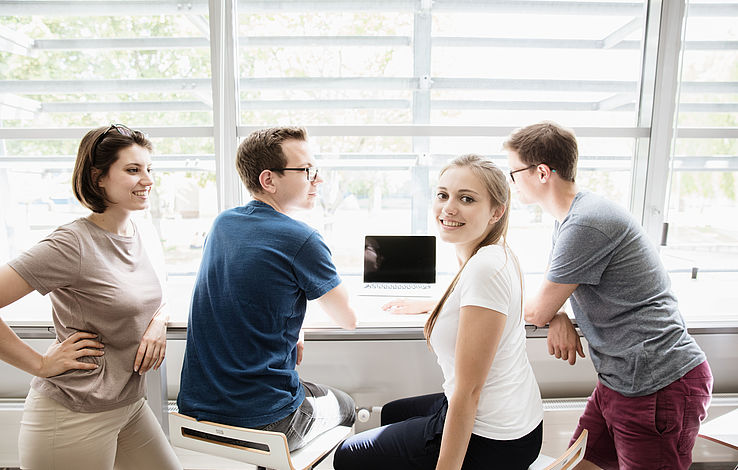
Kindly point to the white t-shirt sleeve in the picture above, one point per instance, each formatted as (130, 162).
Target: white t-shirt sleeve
(485, 283)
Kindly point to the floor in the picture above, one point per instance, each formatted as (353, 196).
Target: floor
(196, 461)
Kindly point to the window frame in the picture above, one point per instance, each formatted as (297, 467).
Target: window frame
(654, 133)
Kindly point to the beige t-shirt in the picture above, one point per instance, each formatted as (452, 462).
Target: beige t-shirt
(102, 283)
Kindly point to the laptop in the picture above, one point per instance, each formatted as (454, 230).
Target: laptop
(399, 265)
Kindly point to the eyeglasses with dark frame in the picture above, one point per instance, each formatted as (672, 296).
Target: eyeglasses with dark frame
(122, 130)
(311, 171)
(512, 172)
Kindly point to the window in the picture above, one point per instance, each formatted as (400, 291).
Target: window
(702, 243)
(390, 92)
(382, 85)
(80, 66)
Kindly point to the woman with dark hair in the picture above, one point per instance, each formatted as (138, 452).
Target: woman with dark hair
(86, 406)
(490, 413)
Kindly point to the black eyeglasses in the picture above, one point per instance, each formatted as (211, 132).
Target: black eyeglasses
(311, 171)
(512, 172)
(528, 168)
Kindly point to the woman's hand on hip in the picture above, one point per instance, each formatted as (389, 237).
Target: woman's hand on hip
(64, 356)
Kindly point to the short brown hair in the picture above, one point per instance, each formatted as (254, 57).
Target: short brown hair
(98, 150)
(262, 150)
(549, 143)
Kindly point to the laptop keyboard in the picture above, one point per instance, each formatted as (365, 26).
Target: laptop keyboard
(395, 286)
(395, 289)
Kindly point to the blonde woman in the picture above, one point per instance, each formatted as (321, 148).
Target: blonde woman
(490, 413)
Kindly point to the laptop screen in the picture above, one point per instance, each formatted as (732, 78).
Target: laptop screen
(400, 258)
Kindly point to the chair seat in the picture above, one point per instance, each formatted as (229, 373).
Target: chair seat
(572, 456)
(262, 448)
(542, 462)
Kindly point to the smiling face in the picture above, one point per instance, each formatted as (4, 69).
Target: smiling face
(294, 191)
(128, 181)
(463, 209)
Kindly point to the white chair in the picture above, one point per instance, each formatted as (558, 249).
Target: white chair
(264, 449)
(573, 455)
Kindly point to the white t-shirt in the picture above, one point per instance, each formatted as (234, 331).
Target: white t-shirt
(510, 403)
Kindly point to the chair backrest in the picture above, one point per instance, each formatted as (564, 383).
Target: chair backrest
(573, 455)
(253, 446)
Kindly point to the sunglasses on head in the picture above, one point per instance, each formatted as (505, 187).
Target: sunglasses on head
(120, 128)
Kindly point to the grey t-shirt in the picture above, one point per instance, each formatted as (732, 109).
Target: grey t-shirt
(102, 283)
(624, 306)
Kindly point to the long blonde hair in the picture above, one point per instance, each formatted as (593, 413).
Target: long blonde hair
(499, 191)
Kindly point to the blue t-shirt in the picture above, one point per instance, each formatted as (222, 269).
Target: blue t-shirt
(259, 267)
(624, 305)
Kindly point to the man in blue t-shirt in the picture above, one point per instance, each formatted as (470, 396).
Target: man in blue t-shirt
(258, 270)
(654, 380)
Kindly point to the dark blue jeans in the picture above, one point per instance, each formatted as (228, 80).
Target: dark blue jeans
(410, 438)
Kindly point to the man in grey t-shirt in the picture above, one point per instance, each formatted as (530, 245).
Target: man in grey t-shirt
(654, 381)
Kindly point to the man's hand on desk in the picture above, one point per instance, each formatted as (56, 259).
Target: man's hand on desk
(409, 307)
(563, 339)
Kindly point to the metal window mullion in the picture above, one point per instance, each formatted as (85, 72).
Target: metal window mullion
(647, 85)
(421, 114)
(223, 42)
(707, 133)
(651, 172)
(6, 204)
(168, 43)
(396, 130)
(169, 7)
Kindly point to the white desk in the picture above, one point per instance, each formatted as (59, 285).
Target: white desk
(368, 310)
(723, 429)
